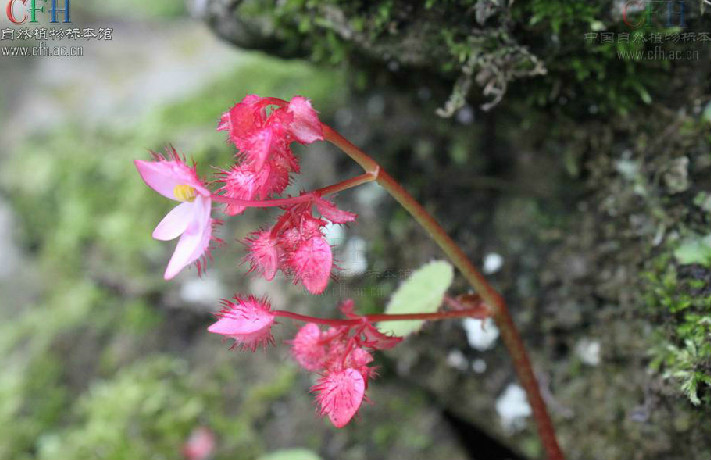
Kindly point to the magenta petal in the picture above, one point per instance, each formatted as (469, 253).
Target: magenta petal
(306, 127)
(175, 222)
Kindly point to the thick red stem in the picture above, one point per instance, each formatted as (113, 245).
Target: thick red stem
(491, 297)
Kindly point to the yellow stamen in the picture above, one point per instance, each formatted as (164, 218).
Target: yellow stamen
(184, 193)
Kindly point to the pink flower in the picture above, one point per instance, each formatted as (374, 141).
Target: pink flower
(191, 219)
(243, 119)
(306, 127)
(200, 445)
(340, 395)
(249, 115)
(308, 349)
(248, 321)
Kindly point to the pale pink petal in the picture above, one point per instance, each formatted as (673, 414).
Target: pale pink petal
(340, 395)
(175, 222)
(194, 241)
(163, 176)
(188, 245)
(306, 127)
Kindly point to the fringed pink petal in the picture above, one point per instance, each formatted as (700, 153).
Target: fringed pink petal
(306, 127)
(311, 263)
(307, 349)
(339, 395)
(247, 321)
(263, 253)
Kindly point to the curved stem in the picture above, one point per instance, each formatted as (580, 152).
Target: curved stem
(346, 184)
(375, 318)
(491, 297)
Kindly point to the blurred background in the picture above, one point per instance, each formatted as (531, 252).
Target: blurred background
(575, 173)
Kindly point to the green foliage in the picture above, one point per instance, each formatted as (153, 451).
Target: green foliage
(422, 292)
(145, 411)
(558, 14)
(291, 454)
(695, 250)
(138, 9)
(587, 75)
(85, 373)
(682, 349)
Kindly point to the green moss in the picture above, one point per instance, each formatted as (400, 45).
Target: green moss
(682, 350)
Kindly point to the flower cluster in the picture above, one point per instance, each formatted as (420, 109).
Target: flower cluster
(296, 244)
(339, 354)
(262, 130)
(263, 139)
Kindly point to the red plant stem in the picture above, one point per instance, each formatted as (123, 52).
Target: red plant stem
(491, 297)
(303, 198)
(473, 313)
(346, 184)
(261, 203)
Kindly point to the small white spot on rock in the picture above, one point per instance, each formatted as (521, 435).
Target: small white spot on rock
(513, 408)
(481, 334)
(205, 289)
(493, 263)
(457, 360)
(354, 262)
(588, 351)
(10, 252)
(479, 366)
(334, 234)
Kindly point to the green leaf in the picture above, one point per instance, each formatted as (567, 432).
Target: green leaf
(694, 251)
(422, 292)
(290, 454)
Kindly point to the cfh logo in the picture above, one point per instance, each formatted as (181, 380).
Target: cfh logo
(18, 11)
(649, 13)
